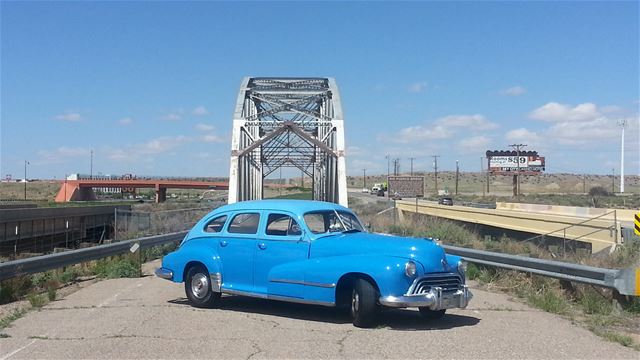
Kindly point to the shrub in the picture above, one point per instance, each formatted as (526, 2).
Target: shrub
(599, 191)
(51, 293)
(14, 289)
(37, 300)
(119, 268)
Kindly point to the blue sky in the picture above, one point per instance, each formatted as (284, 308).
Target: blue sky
(150, 86)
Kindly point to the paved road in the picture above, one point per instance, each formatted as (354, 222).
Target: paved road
(149, 318)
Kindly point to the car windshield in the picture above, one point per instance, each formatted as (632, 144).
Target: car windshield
(329, 221)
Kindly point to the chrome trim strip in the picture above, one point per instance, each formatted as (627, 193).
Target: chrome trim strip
(164, 273)
(216, 281)
(278, 298)
(301, 282)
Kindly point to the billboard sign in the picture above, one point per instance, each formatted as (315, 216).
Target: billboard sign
(406, 186)
(508, 162)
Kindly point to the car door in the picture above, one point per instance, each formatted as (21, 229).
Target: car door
(237, 248)
(280, 248)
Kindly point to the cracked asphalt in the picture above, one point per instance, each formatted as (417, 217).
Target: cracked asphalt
(149, 318)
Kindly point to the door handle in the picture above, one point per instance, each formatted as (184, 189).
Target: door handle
(262, 246)
(223, 243)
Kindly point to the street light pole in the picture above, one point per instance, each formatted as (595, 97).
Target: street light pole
(25, 179)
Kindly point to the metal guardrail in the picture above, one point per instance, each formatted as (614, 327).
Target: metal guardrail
(625, 281)
(38, 264)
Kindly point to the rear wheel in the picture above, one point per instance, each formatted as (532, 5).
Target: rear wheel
(431, 314)
(363, 304)
(197, 286)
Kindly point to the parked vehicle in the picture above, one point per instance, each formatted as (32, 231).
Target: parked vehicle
(314, 253)
(445, 201)
(380, 192)
(375, 189)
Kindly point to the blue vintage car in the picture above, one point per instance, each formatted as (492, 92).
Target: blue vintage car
(314, 253)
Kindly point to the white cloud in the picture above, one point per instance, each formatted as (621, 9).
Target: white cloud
(475, 143)
(200, 111)
(443, 128)
(69, 116)
(522, 135)
(204, 127)
(61, 154)
(159, 145)
(125, 121)
(555, 112)
(172, 117)
(211, 138)
(475, 122)
(513, 91)
(417, 87)
(422, 133)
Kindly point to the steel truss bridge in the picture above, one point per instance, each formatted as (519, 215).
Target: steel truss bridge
(288, 123)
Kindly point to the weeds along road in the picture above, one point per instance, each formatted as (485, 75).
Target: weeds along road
(149, 318)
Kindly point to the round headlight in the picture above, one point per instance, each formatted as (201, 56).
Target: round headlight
(462, 266)
(410, 269)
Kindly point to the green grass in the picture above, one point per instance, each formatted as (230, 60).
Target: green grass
(37, 300)
(296, 196)
(124, 267)
(621, 339)
(7, 320)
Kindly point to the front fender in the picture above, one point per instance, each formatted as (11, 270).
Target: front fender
(321, 275)
(194, 250)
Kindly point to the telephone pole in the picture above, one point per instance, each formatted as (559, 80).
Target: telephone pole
(516, 183)
(481, 175)
(435, 167)
(457, 175)
(364, 178)
(411, 159)
(91, 168)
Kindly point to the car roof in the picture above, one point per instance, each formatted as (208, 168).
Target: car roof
(295, 206)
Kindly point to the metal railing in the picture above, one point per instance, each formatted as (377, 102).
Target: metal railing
(625, 281)
(11, 269)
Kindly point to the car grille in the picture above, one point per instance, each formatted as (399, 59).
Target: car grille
(449, 282)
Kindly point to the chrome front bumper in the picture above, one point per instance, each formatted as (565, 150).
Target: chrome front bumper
(435, 299)
(164, 273)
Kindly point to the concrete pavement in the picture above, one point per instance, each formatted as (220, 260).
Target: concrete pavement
(149, 318)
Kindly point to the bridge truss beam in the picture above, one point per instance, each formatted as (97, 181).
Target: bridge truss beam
(290, 123)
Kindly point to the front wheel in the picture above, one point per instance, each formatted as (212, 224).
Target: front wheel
(197, 285)
(363, 304)
(431, 314)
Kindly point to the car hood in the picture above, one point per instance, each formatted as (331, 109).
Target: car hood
(425, 251)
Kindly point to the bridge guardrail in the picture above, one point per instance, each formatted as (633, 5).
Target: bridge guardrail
(625, 281)
(43, 263)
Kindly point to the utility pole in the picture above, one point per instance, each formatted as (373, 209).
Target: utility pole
(457, 174)
(25, 179)
(622, 124)
(411, 159)
(91, 168)
(584, 183)
(613, 181)
(364, 178)
(516, 183)
(435, 167)
(481, 173)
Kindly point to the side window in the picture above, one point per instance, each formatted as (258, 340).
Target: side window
(282, 225)
(215, 225)
(246, 223)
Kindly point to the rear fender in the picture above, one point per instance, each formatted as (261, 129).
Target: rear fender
(197, 250)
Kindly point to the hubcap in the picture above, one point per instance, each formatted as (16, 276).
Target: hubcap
(199, 285)
(355, 303)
